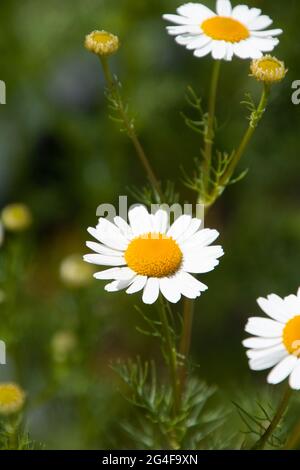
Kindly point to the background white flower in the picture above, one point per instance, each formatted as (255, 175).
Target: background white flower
(239, 31)
(148, 255)
(277, 340)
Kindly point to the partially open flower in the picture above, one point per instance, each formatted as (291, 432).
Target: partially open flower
(102, 43)
(16, 217)
(268, 69)
(12, 398)
(74, 272)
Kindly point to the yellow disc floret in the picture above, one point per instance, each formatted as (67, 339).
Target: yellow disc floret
(268, 69)
(153, 255)
(291, 336)
(12, 398)
(223, 28)
(102, 43)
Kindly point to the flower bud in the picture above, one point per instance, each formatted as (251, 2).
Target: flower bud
(12, 398)
(268, 69)
(102, 43)
(16, 217)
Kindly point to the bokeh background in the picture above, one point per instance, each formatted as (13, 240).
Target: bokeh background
(62, 156)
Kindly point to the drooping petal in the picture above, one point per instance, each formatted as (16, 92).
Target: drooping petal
(169, 289)
(137, 285)
(151, 291)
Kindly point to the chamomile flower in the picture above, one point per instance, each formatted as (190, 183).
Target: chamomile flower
(239, 31)
(276, 340)
(12, 398)
(147, 255)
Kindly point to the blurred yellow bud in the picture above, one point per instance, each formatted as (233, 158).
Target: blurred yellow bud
(63, 344)
(268, 69)
(16, 217)
(12, 398)
(74, 272)
(102, 43)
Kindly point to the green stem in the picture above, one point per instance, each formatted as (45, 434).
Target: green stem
(113, 88)
(261, 443)
(254, 120)
(209, 135)
(185, 343)
(172, 357)
(293, 441)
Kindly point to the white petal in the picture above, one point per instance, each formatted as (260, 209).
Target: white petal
(244, 14)
(261, 343)
(191, 230)
(108, 234)
(195, 11)
(115, 286)
(105, 260)
(202, 238)
(264, 327)
(169, 289)
(282, 370)
(259, 353)
(195, 42)
(266, 362)
(245, 50)
(198, 265)
(267, 33)
(179, 226)
(219, 50)
(120, 274)
(292, 306)
(189, 286)
(295, 377)
(140, 220)
(124, 227)
(103, 250)
(177, 19)
(274, 307)
(229, 52)
(224, 8)
(203, 51)
(161, 221)
(151, 290)
(261, 22)
(263, 44)
(137, 285)
(186, 29)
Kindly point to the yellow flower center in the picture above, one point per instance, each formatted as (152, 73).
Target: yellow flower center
(223, 28)
(153, 255)
(291, 336)
(269, 65)
(12, 398)
(101, 37)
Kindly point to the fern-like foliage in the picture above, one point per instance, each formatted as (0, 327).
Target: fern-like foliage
(153, 424)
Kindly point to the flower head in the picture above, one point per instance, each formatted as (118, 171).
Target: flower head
(276, 341)
(102, 43)
(63, 344)
(238, 31)
(149, 255)
(268, 69)
(74, 272)
(12, 398)
(16, 217)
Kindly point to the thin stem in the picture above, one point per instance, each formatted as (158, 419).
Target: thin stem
(261, 443)
(113, 88)
(185, 343)
(293, 441)
(209, 135)
(172, 357)
(254, 120)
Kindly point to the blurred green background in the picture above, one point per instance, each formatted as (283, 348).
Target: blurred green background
(62, 156)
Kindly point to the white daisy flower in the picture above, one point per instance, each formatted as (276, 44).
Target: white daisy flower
(148, 255)
(277, 340)
(239, 31)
